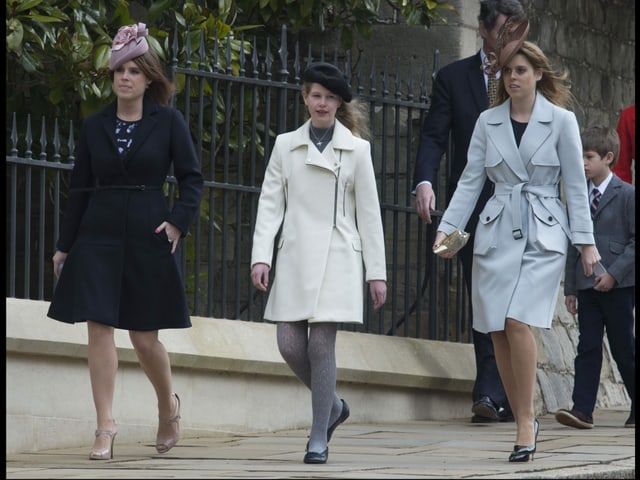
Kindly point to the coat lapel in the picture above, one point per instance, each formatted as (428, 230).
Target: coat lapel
(108, 122)
(341, 140)
(609, 194)
(538, 129)
(476, 84)
(500, 133)
(142, 131)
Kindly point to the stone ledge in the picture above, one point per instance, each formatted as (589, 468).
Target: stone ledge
(244, 347)
(218, 366)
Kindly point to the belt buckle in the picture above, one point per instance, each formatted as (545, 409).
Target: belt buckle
(517, 233)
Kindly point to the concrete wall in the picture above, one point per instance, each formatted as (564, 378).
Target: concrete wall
(230, 377)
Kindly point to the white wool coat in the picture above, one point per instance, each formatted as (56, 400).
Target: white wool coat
(332, 236)
(525, 228)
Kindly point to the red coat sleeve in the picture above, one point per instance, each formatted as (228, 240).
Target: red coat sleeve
(627, 133)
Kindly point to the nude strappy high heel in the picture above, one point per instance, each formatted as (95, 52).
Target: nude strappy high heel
(105, 453)
(163, 445)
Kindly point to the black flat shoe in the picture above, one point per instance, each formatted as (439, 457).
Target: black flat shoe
(344, 414)
(317, 457)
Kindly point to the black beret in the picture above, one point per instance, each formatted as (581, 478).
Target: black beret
(330, 77)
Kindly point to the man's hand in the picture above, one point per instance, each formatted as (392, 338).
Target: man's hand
(425, 201)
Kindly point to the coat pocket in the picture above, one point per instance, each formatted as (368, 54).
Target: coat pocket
(486, 236)
(549, 234)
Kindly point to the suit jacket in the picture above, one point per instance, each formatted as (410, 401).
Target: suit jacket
(614, 226)
(459, 96)
(512, 274)
(327, 204)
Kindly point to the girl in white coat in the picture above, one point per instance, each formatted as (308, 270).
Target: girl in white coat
(525, 145)
(320, 187)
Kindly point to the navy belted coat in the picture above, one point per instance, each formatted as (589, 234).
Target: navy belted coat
(118, 271)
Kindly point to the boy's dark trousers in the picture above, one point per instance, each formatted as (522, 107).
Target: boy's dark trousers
(612, 310)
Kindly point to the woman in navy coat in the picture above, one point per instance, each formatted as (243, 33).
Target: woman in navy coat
(526, 145)
(118, 234)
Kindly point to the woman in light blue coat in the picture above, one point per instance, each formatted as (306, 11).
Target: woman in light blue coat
(526, 145)
(320, 187)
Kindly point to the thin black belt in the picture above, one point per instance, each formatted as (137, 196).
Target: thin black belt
(116, 187)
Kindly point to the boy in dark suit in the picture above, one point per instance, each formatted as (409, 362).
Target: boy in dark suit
(607, 299)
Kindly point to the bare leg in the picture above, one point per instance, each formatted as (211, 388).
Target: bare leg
(523, 362)
(502, 353)
(103, 364)
(154, 359)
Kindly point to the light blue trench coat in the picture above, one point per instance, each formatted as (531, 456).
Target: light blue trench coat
(525, 228)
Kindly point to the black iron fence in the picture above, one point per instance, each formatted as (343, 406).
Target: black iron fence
(235, 103)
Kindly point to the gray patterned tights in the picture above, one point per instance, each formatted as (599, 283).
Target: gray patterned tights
(311, 355)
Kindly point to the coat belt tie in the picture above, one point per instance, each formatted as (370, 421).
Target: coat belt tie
(515, 191)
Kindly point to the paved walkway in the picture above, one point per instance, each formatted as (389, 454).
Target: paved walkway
(425, 449)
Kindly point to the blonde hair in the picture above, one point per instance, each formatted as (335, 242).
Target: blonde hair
(554, 85)
(354, 115)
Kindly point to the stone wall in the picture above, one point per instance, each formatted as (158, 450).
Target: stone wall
(594, 40)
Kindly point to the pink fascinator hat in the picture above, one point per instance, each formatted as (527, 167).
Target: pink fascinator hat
(128, 43)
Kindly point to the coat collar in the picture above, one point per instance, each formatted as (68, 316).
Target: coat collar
(500, 133)
(146, 126)
(342, 137)
(330, 158)
(476, 82)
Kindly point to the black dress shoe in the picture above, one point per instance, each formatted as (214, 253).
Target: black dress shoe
(479, 419)
(484, 407)
(317, 457)
(505, 416)
(574, 418)
(344, 414)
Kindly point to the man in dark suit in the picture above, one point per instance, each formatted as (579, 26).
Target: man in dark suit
(459, 96)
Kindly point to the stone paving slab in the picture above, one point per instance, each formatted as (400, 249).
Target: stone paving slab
(413, 450)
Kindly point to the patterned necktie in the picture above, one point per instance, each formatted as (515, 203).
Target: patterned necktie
(594, 203)
(492, 89)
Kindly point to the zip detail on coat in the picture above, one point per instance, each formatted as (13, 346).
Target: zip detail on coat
(335, 191)
(344, 199)
(285, 187)
(335, 198)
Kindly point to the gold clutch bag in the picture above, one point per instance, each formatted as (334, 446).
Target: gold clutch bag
(452, 242)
